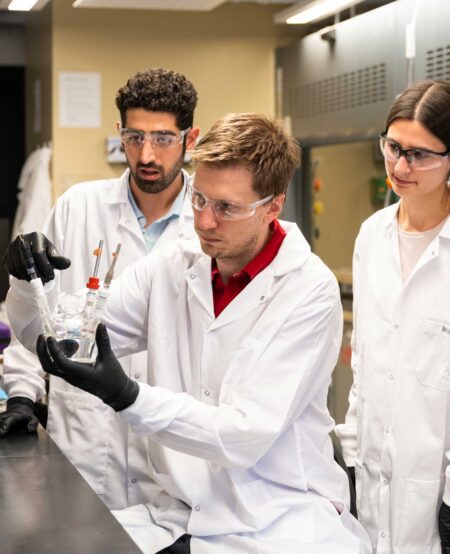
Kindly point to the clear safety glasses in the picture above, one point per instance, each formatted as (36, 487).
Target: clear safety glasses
(158, 139)
(222, 208)
(417, 158)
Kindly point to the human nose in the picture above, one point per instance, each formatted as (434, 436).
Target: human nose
(402, 165)
(147, 152)
(207, 218)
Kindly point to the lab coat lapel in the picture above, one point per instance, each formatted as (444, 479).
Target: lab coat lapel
(293, 253)
(389, 283)
(432, 251)
(198, 279)
(393, 251)
(254, 294)
(118, 200)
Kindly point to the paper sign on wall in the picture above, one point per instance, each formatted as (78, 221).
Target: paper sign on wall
(79, 99)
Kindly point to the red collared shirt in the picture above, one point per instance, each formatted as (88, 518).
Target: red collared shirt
(224, 294)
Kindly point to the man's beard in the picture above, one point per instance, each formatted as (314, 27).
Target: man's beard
(160, 184)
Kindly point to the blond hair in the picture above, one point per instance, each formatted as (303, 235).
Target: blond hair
(255, 141)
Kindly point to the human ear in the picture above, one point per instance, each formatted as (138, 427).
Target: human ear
(275, 206)
(192, 137)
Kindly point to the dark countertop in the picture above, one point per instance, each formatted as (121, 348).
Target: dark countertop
(46, 507)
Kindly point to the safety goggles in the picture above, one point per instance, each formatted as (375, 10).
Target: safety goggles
(223, 209)
(417, 158)
(158, 139)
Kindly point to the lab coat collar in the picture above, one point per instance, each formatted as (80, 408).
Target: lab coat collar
(389, 221)
(389, 217)
(127, 219)
(294, 250)
(293, 253)
(445, 231)
(119, 192)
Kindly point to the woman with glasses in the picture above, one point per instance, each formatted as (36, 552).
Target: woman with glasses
(397, 429)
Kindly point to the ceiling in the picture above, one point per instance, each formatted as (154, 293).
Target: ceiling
(8, 17)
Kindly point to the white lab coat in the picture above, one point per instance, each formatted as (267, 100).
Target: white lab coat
(35, 192)
(235, 406)
(92, 436)
(397, 430)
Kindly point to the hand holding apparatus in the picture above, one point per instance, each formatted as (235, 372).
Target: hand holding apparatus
(44, 257)
(104, 378)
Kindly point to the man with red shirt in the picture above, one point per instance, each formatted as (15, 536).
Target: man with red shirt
(242, 335)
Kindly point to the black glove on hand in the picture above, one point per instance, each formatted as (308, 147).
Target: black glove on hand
(19, 415)
(444, 528)
(105, 378)
(45, 257)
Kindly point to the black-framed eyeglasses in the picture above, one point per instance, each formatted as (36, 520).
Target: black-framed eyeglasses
(417, 158)
(158, 139)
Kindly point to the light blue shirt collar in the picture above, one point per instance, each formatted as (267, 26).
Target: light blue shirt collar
(153, 232)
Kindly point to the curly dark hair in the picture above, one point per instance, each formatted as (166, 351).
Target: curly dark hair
(159, 90)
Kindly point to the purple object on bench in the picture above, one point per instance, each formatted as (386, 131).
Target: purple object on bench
(5, 336)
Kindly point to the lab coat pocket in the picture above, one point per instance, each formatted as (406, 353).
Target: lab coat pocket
(81, 424)
(433, 367)
(418, 516)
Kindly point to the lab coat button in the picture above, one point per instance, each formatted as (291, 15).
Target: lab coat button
(391, 376)
(395, 325)
(134, 480)
(181, 235)
(385, 482)
(386, 430)
(207, 393)
(137, 375)
(197, 508)
(192, 276)
(383, 534)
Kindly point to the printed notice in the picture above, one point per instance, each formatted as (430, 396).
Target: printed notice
(79, 99)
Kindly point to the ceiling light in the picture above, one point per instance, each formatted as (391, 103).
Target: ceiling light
(308, 10)
(192, 5)
(26, 5)
(22, 5)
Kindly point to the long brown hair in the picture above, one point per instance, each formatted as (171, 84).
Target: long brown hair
(427, 102)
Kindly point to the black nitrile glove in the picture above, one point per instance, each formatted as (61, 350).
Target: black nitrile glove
(19, 415)
(45, 256)
(444, 528)
(105, 378)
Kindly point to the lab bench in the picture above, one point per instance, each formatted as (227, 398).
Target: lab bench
(46, 507)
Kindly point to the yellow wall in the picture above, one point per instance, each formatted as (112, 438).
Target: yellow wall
(228, 53)
(344, 171)
(38, 44)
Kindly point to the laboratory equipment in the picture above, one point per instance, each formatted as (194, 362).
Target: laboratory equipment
(70, 322)
(37, 287)
(76, 318)
(103, 293)
(94, 282)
